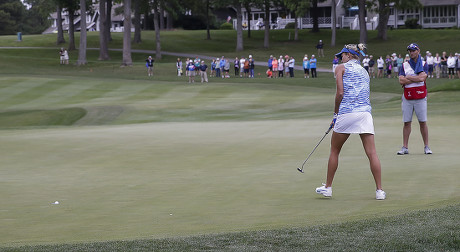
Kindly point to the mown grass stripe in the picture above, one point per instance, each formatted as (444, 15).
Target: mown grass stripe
(37, 90)
(92, 92)
(12, 87)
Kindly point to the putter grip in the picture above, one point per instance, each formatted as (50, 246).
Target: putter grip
(328, 130)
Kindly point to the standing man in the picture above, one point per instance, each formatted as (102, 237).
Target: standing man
(251, 66)
(430, 62)
(371, 66)
(412, 77)
(320, 46)
(203, 72)
(291, 67)
(313, 66)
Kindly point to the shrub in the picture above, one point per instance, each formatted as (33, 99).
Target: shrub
(226, 26)
(412, 23)
(290, 26)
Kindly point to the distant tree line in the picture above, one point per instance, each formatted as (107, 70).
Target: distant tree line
(162, 14)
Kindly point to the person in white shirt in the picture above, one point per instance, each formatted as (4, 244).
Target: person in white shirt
(291, 67)
(380, 64)
(437, 65)
(242, 60)
(281, 66)
(430, 63)
(458, 64)
(451, 66)
(366, 63)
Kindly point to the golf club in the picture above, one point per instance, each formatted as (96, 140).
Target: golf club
(301, 169)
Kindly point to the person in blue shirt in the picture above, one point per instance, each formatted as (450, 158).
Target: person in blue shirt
(191, 72)
(352, 115)
(313, 66)
(412, 77)
(222, 65)
(270, 64)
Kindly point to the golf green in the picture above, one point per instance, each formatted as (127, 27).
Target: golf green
(183, 178)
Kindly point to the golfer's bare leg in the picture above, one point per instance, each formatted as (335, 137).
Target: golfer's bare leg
(337, 141)
(371, 152)
(424, 131)
(406, 133)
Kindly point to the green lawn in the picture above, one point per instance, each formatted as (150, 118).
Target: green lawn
(157, 164)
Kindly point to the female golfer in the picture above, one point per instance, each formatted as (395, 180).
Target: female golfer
(352, 115)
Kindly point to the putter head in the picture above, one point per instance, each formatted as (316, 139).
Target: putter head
(300, 170)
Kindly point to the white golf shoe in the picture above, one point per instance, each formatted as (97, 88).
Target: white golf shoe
(325, 191)
(428, 150)
(403, 151)
(380, 195)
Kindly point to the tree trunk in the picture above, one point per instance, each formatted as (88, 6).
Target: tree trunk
(362, 21)
(296, 30)
(248, 10)
(384, 15)
(60, 35)
(169, 21)
(162, 18)
(71, 30)
(137, 22)
(267, 24)
(82, 47)
(103, 42)
(208, 33)
(239, 28)
(127, 60)
(314, 12)
(334, 25)
(156, 23)
(109, 20)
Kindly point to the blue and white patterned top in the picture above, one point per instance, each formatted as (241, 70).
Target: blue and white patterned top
(355, 89)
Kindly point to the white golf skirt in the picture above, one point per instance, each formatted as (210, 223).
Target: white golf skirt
(355, 123)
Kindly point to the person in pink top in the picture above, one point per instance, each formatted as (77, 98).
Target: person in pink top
(275, 67)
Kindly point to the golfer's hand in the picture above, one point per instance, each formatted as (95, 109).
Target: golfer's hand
(334, 118)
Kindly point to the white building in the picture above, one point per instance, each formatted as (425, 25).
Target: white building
(92, 21)
(434, 14)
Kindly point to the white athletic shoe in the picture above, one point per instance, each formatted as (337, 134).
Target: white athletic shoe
(380, 195)
(403, 151)
(325, 191)
(428, 150)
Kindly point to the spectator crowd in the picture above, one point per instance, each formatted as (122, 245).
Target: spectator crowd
(435, 66)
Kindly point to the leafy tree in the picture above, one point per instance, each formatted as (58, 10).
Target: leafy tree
(35, 19)
(11, 15)
(300, 8)
(383, 8)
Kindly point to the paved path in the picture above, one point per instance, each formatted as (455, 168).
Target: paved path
(186, 55)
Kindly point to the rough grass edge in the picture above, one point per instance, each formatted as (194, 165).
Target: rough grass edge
(423, 230)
